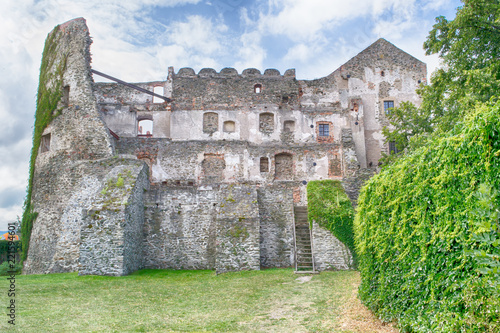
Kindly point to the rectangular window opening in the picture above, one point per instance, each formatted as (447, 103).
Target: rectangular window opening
(393, 148)
(45, 143)
(388, 106)
(324, 129)
(264, 164)
(159, 91)
(65, 97)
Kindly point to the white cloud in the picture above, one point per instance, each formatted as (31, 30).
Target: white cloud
(299, 52)
(250, 53)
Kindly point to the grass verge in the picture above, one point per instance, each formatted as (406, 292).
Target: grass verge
(274, 300)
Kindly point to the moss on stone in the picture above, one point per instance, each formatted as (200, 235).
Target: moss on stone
(50, 92)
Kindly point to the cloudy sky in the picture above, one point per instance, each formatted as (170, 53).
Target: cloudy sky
(137, 41)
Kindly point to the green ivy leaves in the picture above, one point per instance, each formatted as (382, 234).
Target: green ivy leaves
(427, 233)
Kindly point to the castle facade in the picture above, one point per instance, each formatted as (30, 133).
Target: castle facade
(211, 171)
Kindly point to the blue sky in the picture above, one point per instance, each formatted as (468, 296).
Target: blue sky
(137, 41)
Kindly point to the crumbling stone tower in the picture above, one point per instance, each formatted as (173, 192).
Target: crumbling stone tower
(203, 170)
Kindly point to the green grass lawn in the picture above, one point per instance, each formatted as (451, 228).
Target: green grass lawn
(180, 301)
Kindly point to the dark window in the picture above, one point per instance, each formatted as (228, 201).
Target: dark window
(324, 129)
(289, 126)
(388, 105)
(392, 148)
(264, 164)
(45, 144)
(65, 97)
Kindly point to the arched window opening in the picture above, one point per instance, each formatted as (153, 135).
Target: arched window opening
(257, 88)
(266, 122)
(264, 164)
(284, 166)
(210, 122)
(145, 128)
(229, 126)
(159, 90)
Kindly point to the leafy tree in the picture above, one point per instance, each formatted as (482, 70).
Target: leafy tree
(469, 47)
(412, 127)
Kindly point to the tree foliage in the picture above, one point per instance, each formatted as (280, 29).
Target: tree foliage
(426, 232)
(469, 48)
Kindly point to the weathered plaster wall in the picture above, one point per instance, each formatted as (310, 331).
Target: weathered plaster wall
(173, 162)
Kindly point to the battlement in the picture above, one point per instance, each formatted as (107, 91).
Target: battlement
(229, 72)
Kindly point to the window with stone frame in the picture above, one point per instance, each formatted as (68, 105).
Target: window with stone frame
(45, 143)
(264, 164)
(388, 106)
(266, 122)
(210, 122)
(324, 132)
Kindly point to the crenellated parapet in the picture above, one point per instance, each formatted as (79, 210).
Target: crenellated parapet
(229, 72)
(230, 90)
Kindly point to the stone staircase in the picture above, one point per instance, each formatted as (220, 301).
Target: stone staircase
(304, 257)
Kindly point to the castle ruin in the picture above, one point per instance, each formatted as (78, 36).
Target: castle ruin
(211, 172)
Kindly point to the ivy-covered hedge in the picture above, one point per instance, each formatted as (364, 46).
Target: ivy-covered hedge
(422, 235)
(50, 92)
(330, 207)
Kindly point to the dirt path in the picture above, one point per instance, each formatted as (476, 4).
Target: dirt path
(355, 317)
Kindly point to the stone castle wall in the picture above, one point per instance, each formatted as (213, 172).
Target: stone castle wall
(214, 182)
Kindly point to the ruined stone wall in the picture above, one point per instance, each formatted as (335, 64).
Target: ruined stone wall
(329, 252)
(381, 72)
(123, 107)
(238, 236)
(63, 180)
(236, 161)
(228, 90)
(227, 160)
(112, 227)
(276, 226)
(180, 229)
